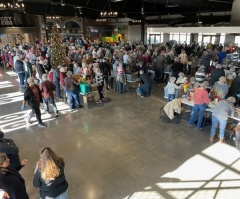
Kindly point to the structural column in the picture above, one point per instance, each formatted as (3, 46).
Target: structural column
(235, 15)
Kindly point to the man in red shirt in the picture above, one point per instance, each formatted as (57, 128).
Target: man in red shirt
(48, 90)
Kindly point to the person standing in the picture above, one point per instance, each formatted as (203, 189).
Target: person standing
(106, 71)
(72, 91)
(48, 90)
(11, 181)
(216, 74)
(56, 81)
(33, 96)
(200, 100)
(160, 61)
(99, 81)
(19, 69)
(49, 175)
(28, 69)
(222, 110)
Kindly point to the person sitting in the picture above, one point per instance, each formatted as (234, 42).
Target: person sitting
(171, 87)
(200, 100)
(216, 74)
(181, 78)
(220, 114)
(220, 89)
(200, 75)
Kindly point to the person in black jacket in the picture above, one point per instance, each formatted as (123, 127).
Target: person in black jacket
(145, 84)
(9, 147)
(216, 74)
(49, 175)
(12, 185)
(33, 96)
(106, 71)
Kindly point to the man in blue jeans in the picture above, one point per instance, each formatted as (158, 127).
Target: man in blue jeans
(220, 114)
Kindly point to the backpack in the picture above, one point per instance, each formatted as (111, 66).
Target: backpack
(8, 146)
(19, 66)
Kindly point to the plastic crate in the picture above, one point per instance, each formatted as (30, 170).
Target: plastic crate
(85, 87)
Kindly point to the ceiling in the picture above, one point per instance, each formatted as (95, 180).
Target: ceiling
(186, 10)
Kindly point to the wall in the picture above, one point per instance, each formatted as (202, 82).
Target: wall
(229, 39)
(134, 33)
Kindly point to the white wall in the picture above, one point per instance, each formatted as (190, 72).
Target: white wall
(134, 33)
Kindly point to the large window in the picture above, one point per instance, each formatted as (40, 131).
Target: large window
(155, 38)
(181, 38)
(237, 40)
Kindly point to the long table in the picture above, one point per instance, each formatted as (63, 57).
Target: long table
(209, 109)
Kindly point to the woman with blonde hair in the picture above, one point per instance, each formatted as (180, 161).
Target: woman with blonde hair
(49, 176)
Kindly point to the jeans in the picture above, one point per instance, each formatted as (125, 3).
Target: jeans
(105, 79)
(51, 101)
(171, 97)
(197, 108)
(222, 126)
(100, 92)
(21, 77)
(73, 97)
(63, 195)
(121, 87)
(57, 85)
(146, 88)
(159, 73)
(27, 75)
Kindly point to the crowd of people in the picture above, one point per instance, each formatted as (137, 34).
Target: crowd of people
(193, 68)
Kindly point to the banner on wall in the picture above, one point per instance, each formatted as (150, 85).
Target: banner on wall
(16, 19)
(100, 31)
(112, 39)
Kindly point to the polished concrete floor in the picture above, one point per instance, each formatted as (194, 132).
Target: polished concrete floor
(122, 150)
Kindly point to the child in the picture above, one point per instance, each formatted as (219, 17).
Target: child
(171, 86)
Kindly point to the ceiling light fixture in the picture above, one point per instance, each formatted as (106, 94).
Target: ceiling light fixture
(62, 2)
(108, 14)
(80, 10)
(11, 5)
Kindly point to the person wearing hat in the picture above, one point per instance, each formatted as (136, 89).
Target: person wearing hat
(9, 147)
(48, 90)
(33, 96)
(220, 114)
(201, 100)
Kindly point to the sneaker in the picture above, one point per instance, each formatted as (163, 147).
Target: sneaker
(56, 113)
(42, 125)
(188, 111)
(221, 140)
(99, 102)
(142, 96)
(190, 125)
(211, 139)
(27, 120)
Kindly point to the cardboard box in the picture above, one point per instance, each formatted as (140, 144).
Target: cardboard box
(191, 96)
(94, 87)
(77, 78)
(88, 98)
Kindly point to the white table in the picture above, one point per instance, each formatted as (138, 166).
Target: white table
(209, 109)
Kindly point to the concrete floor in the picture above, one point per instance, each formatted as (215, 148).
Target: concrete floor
(122, 150)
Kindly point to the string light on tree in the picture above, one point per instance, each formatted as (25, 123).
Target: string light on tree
(57, 50)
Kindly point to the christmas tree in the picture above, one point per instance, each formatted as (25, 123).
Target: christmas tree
(58, 56)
